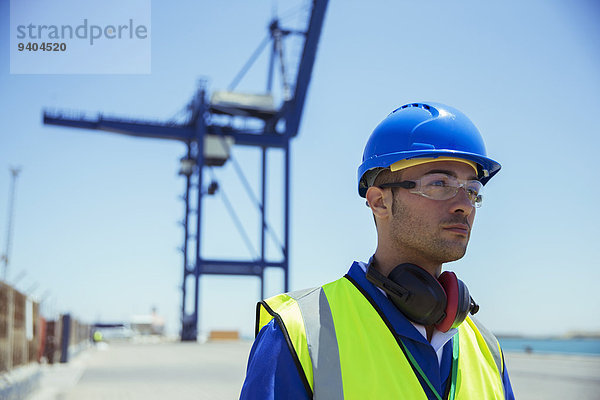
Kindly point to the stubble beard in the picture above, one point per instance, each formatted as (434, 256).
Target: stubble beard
(412, 233)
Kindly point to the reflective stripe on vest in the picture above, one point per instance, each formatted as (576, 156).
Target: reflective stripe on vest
(327, 330)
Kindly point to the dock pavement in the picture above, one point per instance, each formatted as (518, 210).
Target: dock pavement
(215, 370)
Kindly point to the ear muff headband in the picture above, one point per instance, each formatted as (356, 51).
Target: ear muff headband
(423, 299)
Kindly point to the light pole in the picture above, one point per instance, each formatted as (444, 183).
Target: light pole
(11, 205)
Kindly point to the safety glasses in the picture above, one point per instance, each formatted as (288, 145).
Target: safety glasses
(441, 187)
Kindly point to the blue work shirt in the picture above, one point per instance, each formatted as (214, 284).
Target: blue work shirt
(272, 373)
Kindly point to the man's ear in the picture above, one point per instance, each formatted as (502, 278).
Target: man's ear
(380, 202)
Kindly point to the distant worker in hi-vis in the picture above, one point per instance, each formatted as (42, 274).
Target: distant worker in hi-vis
(395, 327)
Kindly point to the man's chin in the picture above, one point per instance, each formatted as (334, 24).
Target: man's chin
(453, 254)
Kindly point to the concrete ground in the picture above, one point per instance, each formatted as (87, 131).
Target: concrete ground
(550, 376)
(171, 370)
(215, 370)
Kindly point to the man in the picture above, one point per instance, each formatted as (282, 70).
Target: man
(395, 327)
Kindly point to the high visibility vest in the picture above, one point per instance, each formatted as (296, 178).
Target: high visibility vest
(344, 349)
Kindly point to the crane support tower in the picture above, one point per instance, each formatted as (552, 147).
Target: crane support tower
(268, 121)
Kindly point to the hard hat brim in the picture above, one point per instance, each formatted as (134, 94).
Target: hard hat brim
(487, 167)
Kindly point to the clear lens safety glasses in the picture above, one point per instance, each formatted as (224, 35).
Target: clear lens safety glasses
(441, 187)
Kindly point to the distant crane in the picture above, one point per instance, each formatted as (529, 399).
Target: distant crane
(214, 125)
(14, 174)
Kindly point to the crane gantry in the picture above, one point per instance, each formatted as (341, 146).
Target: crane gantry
(209, 133)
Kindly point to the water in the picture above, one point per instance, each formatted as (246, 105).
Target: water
(560, 346)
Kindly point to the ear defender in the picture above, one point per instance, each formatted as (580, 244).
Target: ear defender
(444, 302)
(458, 304)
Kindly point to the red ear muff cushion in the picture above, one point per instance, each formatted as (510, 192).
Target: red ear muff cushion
(449, 282)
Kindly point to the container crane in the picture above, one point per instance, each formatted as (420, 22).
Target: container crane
(209, 136)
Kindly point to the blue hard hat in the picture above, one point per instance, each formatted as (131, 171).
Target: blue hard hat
(428, 130)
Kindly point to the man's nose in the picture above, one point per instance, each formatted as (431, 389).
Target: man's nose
(461, 202)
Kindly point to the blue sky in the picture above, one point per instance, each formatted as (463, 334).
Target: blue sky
(96, 213)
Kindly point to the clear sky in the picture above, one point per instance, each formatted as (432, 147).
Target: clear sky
(96, 213)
